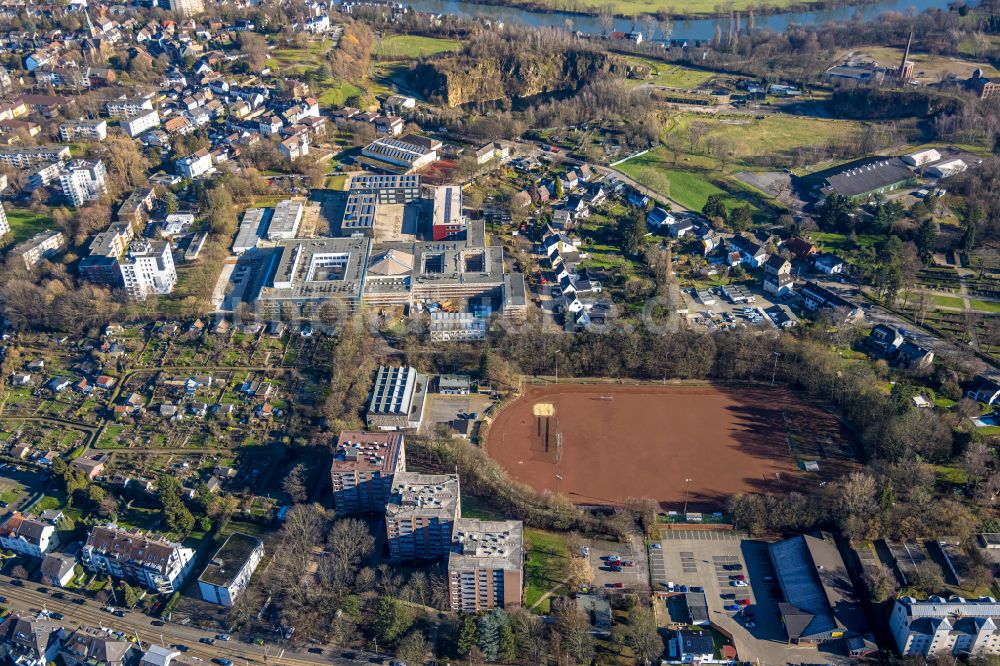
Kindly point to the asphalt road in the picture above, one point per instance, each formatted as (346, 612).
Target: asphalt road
(28, 600)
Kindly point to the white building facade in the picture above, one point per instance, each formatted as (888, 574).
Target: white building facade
(83, 181)
(945, 627)
(148, 269)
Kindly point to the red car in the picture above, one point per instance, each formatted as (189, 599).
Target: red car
(627, 563)
(738, 577)
(616, 585)
(743, 602)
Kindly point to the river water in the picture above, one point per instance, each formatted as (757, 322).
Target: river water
(691, 29)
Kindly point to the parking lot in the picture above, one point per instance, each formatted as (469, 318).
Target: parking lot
(711, 308)
(632, 577)
(699, 559)
(443, 409)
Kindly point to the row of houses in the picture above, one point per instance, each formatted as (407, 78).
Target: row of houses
(150, 561)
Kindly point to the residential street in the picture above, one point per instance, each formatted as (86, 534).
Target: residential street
(28, 600)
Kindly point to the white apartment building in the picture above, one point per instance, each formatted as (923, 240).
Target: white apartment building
(88, 130)
(229, 572)
(146, 559)
(946, 627)
(21, 157)
(27, 536)
(148, 268)
(195, 164)
(141, 122)
(126, 108)
(4, 224)
(83, 181)
(187, 7)
(41, 246)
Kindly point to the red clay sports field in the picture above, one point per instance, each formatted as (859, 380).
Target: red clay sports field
(611, 442)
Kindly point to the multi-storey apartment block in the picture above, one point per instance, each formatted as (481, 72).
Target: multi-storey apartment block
(421, 514)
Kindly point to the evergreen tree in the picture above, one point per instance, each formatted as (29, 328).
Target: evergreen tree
(508, 644)
(969, 237)
(130, 596)
(926, 238)
(741, 218)
(468, 634)
(631, 231)
(559, 192)
(490, 628)
(714, 207)
(386, 623)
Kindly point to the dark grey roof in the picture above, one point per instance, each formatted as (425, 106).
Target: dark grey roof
(815, 583)
(795, 619)
(697, 606)
(867, 177)
(696, 642)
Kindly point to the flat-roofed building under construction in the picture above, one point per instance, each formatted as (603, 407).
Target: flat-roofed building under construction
(402, 273)
(364, 466)
(377, 201)
(312, 273)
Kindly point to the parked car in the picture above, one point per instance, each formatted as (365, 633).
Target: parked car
(206, 640)
(728, 595)
(17, 582)
(56, 616)
(628, 563)
(732, 608)
(738, 583)
(119, 613)
(738, 577)
(222, 637)
(222, 661)
(743, 602)
(656, 546)
(751, 625)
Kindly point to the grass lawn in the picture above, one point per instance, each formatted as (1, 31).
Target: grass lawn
(25, 223)
(948, 301)
(9, 496)
(950, 475)
(984, 306)
(476, 507)
(548, 558)
(335, 182)
(690, 189)
(840, 242)
(415, 46)
(337, 94)
(673, 76)
(775, 134)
